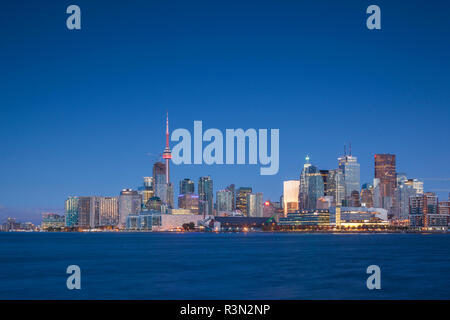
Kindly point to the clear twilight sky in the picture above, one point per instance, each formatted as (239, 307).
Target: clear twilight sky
(81, 110)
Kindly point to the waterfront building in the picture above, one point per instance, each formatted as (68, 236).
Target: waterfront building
(52, 220)
(26, 226)
(306, 218)
(385, 171)
(255, 204)
(95, 211)
(241, 199)
(187, 186)
(155, 221)
(336, 216)
(224, 201)
(143, 221)
(171, 222)
(189, 201)
(84, 212)
(71, 211)
(130, 202)
(359, 216)
(241, 223)
(109, 211)
(424, 213)
(11, 224)
(205, 194)
(290, 195)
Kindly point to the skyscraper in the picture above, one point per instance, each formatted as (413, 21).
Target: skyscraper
(350, 169)
(290, 196)
(324, 174)
(255, 204)
(315, 187)
(205, 194)
(147, 191)
(311, 186)
(84, 212)
(402, 193)
(232, 188)
(224, 201)
(355, 200)
(187, 186)
(241, 199)
(367, 195)
(109, 211)
(376, 194)
(159, 181)
(303, 186)
(95, 211)
(129, 203)
(385, 171)
(71, 211)
(335, 186)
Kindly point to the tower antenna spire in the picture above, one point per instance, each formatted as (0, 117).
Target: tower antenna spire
(167, 129)
(167, 154)
(350, 151)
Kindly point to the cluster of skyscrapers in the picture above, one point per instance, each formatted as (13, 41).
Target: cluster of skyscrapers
(156, 197)
(318, 197)
(403, 199)
(97, 212)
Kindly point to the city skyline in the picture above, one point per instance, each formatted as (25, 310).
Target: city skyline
(316, 74)
(163, 168)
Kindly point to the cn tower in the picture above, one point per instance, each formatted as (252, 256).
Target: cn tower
(167, 154)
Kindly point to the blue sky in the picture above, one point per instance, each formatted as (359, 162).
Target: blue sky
(81, 110)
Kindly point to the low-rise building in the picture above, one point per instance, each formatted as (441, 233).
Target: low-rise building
(157, 221)
(52, 220)
(241, 223)
(336, 216)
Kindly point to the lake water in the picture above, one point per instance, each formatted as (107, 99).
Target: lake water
(224, 266)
